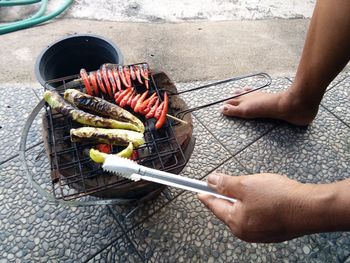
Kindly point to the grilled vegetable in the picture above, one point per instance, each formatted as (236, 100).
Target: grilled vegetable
(127, 152)
(105, 148)
(104, 108)
(99, 157)
(59, 104)
(109, 136)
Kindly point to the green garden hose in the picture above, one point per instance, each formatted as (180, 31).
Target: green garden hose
(18, 2)
(40, 12)
(38, 18)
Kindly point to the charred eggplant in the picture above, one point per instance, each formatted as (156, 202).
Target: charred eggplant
(109, 136)
(57, 103)
(101, 107)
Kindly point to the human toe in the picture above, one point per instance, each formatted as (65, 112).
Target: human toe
(247, 88)
(233, 102)
(242, 90)
(231, 110)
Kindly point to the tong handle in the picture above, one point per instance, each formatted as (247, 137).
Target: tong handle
(265, 76)
(180, 182)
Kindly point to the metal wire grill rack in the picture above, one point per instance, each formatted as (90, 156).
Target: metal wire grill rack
(75, 175)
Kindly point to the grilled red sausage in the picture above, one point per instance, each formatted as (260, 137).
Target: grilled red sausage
(124, 100)
(106, 81)
(84, 76)
(112, 81)
(135, 100)
(100, 82)
(140, 101)
(151, 113)
(93, 82)
(162, 117)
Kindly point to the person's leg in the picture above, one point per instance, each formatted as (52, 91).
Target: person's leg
(325, 54)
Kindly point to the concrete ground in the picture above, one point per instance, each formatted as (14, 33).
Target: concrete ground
(186, 51)
(175, 227)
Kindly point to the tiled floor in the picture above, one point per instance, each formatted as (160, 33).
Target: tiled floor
(14, 112)
(175, 227)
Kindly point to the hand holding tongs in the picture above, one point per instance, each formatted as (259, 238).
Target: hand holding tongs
(133, 171)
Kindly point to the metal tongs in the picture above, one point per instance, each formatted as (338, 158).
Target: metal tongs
(133, 171)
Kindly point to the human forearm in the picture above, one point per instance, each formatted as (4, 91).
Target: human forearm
(316, 208)
(332, 205)
(326, 50)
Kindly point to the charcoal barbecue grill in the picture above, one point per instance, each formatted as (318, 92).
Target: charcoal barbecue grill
(77, 180)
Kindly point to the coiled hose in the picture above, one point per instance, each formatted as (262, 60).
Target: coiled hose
(37, 18)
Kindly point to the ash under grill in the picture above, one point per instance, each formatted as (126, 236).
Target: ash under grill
(75, 175)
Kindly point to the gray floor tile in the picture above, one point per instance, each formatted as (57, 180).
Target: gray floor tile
(234, 133)
(337, 100)
(131, 215)
(207, 155)
(120, 251)
(31, 229)
(15, 106)
(341, 76)
(318, 153)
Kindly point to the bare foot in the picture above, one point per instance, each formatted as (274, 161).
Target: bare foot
(279, 105)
